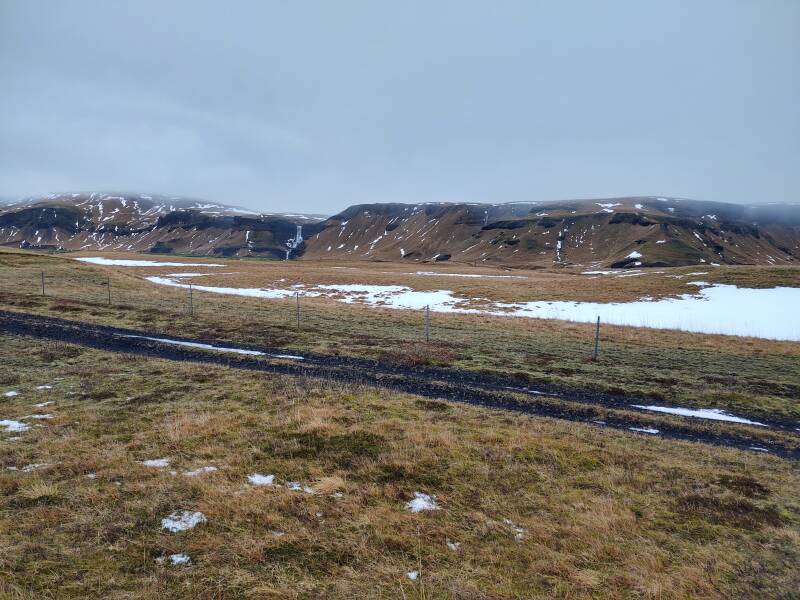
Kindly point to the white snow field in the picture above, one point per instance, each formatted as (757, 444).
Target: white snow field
(724, 309)
(121, 262)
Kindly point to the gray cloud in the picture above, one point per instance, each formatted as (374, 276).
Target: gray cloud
(313, 106)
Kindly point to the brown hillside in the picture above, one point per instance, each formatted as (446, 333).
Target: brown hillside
(609, 233)
(647, 232)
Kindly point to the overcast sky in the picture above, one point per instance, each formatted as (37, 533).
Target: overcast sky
(314, 106)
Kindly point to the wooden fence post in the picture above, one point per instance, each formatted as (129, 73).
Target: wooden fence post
(596, 340)
(427, 323)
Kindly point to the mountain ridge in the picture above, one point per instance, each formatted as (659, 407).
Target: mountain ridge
(640, 231)
(611, 232)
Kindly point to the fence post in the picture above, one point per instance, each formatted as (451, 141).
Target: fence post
(108, 284)
(42, 283)
(596, 339)
(297, 304)
(427, 323)
(191, 303)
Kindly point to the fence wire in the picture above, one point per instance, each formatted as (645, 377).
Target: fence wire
(298, 320)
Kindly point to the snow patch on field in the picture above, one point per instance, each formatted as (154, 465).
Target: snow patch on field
(15, 426)
(470, 275)
(155, 462)
(182, 520)
(122, 262)
(196, 274)
(11, 393)
(215, 348)
(34, 467)
(422, 502)
(519, 532)
(714, 414)
(258, 479)
(200, 471)
(616, 272)
(180, 559)
(649, 430)
(29, 468)
(175, 559)
(719, 309)
(296, 486)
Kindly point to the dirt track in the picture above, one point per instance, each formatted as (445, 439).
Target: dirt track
(447, 384)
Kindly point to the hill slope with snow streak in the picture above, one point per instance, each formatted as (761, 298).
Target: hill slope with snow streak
(618, 232)
(164, 225)
(624, 232)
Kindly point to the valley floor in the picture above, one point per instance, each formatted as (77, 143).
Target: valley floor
(748, 376)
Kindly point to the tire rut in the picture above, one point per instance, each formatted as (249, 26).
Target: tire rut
(488, 391)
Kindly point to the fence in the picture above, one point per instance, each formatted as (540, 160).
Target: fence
(352, 323)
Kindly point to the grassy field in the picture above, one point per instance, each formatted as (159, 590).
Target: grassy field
(528, 507)
(747, 375)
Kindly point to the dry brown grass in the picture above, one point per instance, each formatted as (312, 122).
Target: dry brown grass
(557, 284)
(749, 375)
(560, 284)
(602, 513)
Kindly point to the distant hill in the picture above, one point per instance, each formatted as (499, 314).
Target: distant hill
(145, 223)
(615, 232)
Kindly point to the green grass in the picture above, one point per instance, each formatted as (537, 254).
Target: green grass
(605, 514)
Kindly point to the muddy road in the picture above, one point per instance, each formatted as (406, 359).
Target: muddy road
(489, 391)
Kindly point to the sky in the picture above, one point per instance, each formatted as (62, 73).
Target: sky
(315, 106)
